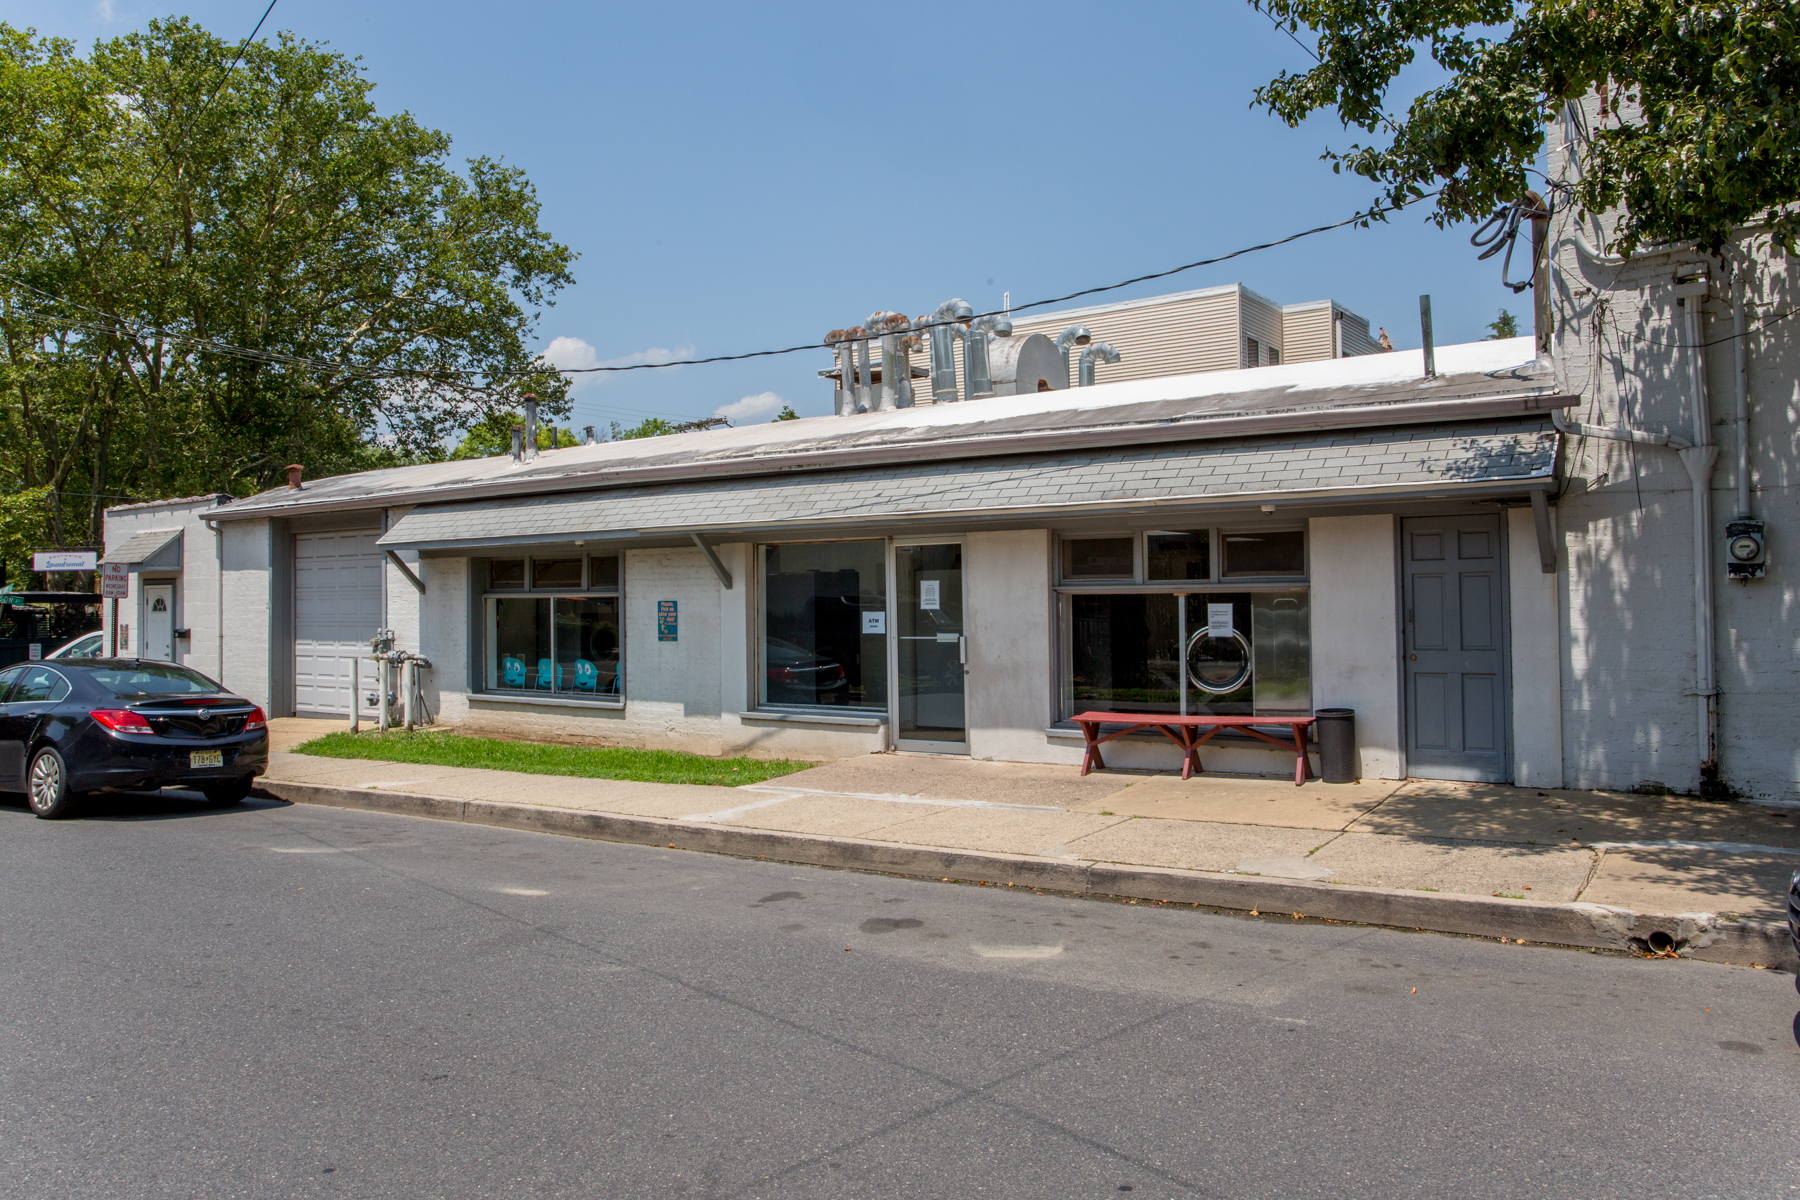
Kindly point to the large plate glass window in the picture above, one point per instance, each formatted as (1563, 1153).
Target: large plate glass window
(824, 626)
(562, 636)
(1176, 633)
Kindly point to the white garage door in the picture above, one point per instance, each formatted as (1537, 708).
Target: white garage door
(337, 609)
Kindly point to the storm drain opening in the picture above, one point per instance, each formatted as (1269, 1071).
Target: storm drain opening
(1659, 945)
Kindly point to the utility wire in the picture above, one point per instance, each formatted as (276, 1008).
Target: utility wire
(223, 348)
(219, 86)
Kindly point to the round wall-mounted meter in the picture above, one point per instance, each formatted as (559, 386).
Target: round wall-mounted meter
(1746, 550)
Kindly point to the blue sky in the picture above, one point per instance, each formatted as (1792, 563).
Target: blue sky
(737, 177)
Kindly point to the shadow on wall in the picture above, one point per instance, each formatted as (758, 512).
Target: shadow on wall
(1625, 516)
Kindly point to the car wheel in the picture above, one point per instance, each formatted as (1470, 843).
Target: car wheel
(47, 786)
(232, 791)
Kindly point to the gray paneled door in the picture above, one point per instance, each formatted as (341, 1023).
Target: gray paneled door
(1457, 688)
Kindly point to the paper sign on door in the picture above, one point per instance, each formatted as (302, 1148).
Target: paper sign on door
(1218, 620)
(874, 622)
(929, 590)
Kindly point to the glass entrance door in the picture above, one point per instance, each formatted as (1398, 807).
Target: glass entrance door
(930, 648)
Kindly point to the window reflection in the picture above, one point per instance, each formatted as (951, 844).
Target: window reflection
(825, 625)
(562, 645)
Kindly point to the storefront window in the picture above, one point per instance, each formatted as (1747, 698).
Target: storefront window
(824, 617)
(565, 645)
(1279, 552)
(1098, 558)
(1178, 556)
(1229, 653)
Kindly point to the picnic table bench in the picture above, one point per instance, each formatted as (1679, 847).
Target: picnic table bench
(1185, 733)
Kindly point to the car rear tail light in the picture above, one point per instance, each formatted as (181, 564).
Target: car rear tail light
(256, 720)
(122, 720)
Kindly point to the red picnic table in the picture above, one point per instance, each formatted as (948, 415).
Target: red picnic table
(1183, 730)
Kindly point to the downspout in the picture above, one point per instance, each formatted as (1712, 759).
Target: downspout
(1699, 460)
(1741, 385)
(1697, 457)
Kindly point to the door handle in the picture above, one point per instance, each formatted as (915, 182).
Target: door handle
(962, 650)
(1412, 658)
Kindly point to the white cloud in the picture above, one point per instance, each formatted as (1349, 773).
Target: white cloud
(571, 353)
(105, 12)
(763, 404)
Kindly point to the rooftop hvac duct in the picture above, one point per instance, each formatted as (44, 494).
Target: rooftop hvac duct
(978, 367)
(1098, 352)
(943, 328)
(897, 344)
(531, 428)
(1074, 335)
(845, 343)
(1023, 365)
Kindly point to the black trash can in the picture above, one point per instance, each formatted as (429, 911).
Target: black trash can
(1336, 728)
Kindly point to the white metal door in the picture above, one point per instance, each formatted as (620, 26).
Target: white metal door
(337, 609)
(159, 622)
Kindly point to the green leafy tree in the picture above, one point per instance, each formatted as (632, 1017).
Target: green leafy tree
(207, 273)
(1503, 326)
(787, 413)
(1697, 133)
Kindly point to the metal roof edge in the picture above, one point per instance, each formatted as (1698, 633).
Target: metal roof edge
(1290, 497)
(1308, 418)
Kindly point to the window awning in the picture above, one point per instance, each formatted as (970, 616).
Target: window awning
(1484, 458)
(151, 550)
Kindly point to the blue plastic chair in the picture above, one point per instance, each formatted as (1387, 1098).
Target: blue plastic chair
(544, 674)
(587, 675)
(512, 672)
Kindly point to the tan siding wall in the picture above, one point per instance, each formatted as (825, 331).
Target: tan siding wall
(1306, 334)
(1262, 321)
(1182, 336)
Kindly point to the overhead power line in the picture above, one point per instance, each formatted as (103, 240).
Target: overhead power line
(121, 325)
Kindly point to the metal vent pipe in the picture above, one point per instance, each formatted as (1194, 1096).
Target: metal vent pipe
(1074, 335)
(1098, 352)
(943, 328)
(531, 428)
(896, 360)
(978, 367)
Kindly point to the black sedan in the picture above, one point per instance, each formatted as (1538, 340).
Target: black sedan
(81, 725)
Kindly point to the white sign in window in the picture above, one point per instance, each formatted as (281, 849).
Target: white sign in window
(874, 622)
(929, 591)
(1218, 620)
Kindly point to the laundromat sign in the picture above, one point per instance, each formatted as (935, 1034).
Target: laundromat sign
(65, 560)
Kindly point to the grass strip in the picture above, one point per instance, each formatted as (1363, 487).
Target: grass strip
(445, 749)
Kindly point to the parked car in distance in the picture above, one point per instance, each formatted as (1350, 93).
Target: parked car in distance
(77, 725)
(88, 645)
(796, 675)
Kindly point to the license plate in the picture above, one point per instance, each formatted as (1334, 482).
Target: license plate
(206, 758)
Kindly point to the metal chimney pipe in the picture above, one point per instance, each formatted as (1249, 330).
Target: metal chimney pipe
(943, 328)
(518, 445)
(1425, 333)
(588, 432)
(865, 372)
(844, 350)
(896, 366)
(531, 427)
(1074, 335)
(1098, 352)
(978, 367)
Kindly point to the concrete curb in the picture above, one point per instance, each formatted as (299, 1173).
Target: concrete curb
(1693, 935)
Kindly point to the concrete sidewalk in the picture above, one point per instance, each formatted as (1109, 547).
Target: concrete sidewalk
(1582, 868)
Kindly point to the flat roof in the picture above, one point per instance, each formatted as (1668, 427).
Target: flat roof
(1474, 381)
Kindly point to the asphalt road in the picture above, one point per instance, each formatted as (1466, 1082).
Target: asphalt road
(280, 1001)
